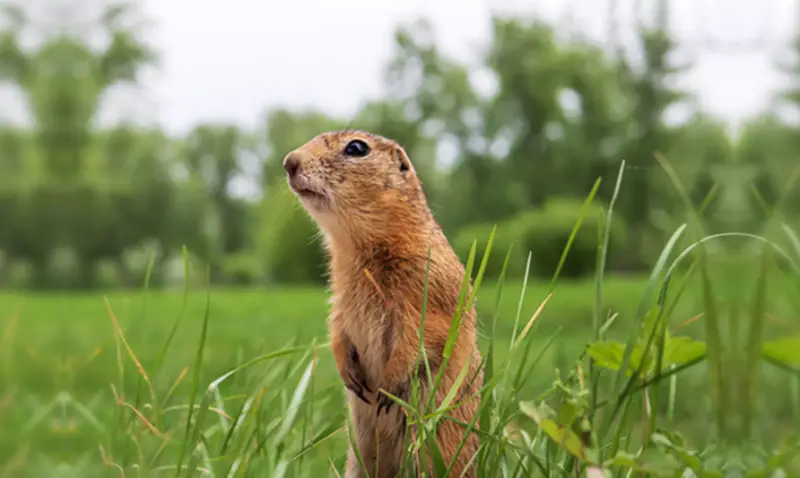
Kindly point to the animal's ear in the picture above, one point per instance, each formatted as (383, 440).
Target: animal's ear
(403, 163)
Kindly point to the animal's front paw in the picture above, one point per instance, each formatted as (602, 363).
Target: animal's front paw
(385, 402)
(355, 379)
(356, 384)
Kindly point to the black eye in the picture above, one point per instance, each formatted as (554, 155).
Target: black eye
(357, 148)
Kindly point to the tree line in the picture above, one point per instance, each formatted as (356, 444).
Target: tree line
(83, 205)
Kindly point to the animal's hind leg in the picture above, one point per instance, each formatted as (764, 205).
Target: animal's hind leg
(363, 434)
(353, 467)
(382, 455)
(450, 434)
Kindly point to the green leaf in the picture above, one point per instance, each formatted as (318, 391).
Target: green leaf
(683, 350)
(785, 350)
(674, 442)
(678, 350)
(561, 435)
(606, 354)
(651, 461)
(658, 463)
(567, 414)
(788, 452)
(622, 459)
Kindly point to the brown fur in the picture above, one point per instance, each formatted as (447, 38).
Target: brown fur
(378, 229)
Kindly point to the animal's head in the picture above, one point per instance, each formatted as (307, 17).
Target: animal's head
(353, 182)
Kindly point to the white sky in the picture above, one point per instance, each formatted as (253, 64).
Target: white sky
(232, 60)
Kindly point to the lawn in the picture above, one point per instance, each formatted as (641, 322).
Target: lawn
(62, 369)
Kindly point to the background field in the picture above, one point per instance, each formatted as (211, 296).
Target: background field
(60, 358)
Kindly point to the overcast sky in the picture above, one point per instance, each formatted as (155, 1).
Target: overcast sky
(231, 60)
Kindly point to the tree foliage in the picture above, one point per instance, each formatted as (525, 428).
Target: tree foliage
(521, 153)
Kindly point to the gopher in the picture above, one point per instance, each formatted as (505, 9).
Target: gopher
(363, 192)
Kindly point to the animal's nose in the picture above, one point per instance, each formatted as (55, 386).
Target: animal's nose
(291, 164)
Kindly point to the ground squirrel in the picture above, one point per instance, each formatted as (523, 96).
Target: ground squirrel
(363, 192)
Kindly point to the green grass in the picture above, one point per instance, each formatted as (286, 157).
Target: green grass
(66, 342)
(695, 367)
(58, 404)
(244, 322)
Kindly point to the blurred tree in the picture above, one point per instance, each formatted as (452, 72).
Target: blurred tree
(128, 196)
(779, 139)
(531, 72)
(597, 128)
(212, 154)
(765, 152)
(713, 151)
(63, 81)
(14, 150)
(524, 151)
(652, 96)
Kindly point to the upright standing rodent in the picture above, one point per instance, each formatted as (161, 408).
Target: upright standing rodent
(363, 192)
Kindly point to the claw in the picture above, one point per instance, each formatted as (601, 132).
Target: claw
(358, 391)
(364, 399)
(362, 384)
(357, 381)
(385, 402)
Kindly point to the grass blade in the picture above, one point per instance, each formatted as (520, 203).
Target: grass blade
(197, 370)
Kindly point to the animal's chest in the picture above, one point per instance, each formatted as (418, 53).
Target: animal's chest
(369, 326)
